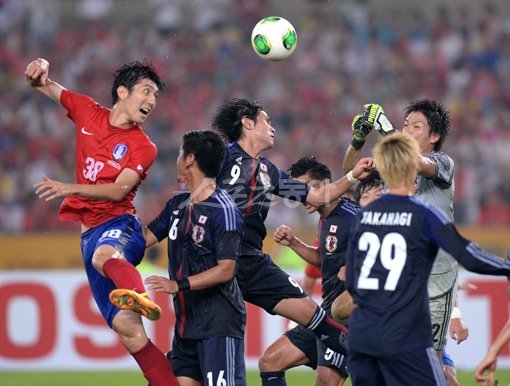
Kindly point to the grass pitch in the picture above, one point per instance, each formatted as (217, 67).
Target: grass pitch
(133, 378)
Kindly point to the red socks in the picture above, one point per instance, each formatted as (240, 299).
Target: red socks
(155, 366)
(123, 274)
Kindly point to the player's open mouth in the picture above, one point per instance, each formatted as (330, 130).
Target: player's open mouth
(145, 110)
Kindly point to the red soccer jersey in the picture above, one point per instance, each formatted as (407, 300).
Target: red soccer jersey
(313, 271)
(102, 152)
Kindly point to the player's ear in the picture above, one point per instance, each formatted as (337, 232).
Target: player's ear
(190, 158)
(122, 92)
(434, 137)
(248, 123)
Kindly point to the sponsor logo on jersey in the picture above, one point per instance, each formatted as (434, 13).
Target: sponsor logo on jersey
(84, 131)
(263, 167)
(202, 219)
(331, 243)
(198, 234)
(333, 228)
(119, 151)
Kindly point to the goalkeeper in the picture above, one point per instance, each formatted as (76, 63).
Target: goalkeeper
(429, 123)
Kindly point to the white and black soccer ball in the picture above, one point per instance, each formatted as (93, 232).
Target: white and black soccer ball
(274, 38)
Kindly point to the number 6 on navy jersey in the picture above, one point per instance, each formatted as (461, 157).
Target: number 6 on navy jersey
(393, 255)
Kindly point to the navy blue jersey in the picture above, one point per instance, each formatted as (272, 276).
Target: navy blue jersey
(200, 234)
(392, 247)
(251, 183)
(333, 238)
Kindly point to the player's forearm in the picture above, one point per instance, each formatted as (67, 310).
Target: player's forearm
(329, 193)
(501, 340)
(306, 252)
(474, 259)
(352, 156)
(426, 167)
(109, 192)
(216, 275)
(150, 238)
(51, 89)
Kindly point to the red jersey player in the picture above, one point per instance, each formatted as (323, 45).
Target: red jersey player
(113, 155)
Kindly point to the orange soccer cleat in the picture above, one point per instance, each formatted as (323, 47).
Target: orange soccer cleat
(137, 302)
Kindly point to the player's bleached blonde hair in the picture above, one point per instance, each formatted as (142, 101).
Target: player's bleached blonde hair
(396, 157)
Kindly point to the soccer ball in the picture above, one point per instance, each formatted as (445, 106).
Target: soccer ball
(274, 38)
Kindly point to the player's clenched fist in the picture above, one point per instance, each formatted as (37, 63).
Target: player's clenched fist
(37, 72)
(374, 115)
(283, 235)
(360, 130)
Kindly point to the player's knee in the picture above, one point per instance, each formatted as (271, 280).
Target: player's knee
(329, 378)
(270, 361)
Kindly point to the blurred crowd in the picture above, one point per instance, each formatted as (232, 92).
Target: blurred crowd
(349, 53)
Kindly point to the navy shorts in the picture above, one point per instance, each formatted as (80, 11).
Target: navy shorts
(124, 233)
(212, 361)
(316, 352)
(265, 284)
(417, 367)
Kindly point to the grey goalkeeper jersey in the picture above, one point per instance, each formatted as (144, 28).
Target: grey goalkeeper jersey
(438, 192)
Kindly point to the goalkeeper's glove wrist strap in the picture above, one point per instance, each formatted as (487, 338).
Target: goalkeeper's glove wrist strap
(357, 144)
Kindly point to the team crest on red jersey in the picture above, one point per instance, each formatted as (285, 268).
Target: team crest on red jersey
(119, 151)
(331, 243)
(198, 234)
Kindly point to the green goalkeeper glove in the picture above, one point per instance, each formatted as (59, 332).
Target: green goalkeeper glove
(374, 115)
(360, 130)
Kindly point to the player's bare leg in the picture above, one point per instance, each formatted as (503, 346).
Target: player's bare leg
(307, 313)
(153, 363)
(130, 293)
(277, 358)
(281, 355)
(130, 330)
(327, 376)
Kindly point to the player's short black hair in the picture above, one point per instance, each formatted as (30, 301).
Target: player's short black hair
(437, 116)
(132, 73)
(371, 181)
(227, 119)
(317, 171)
(208, 149)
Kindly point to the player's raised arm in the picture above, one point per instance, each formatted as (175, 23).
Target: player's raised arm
(362, 124)
(36, 75)
(49, 189)
(285, 236)
(466, 252)
(333, 191)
